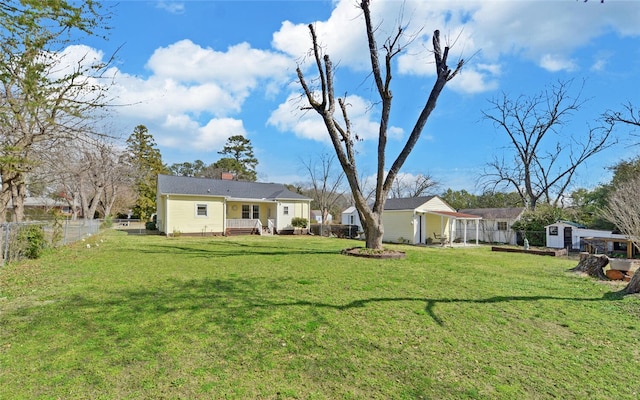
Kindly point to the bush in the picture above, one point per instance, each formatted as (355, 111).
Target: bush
(31, 241)
(107, 222)
(150, 226)
(299, 222)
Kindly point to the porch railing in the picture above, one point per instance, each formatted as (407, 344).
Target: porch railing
(245, 224)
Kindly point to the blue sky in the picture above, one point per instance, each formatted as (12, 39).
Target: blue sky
(197, 72)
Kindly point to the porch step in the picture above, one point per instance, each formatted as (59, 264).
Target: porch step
(242, 231)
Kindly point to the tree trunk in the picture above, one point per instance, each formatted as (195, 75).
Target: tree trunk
(634, 284)
(373, 235)
(592, 265)
(5, 197)
(18, 194)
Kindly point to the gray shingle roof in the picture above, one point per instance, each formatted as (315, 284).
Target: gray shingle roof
(494, 213)
(410, 203)
(171, 184)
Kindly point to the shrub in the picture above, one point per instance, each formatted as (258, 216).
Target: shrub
(31, 241)
(107, 222)
(299, 222)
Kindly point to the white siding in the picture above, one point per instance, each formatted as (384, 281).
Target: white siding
(350, 217)
(398, 224)
(435, 204)
(295, 209)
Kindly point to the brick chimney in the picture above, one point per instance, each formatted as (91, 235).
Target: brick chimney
(227, 176)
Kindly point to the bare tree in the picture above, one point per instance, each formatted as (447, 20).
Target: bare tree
(88, 174)
(544, 160)
(44, 98)
(339, 127)
(629, 116)
(326, 183)
(623, 209)
(406, 185)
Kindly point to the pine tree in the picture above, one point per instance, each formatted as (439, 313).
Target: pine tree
(146, 160)
(240, 159)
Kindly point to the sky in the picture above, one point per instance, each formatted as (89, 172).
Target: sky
(197, 72)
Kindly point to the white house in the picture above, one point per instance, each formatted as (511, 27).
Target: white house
(573, 236)
(350, 217)
(316, 215)
(424, 220)
(495, 225)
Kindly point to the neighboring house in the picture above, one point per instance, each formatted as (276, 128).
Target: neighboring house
(316, 215)
(188, 205)
(495, 226)
(350, 217)
(422, 220)
(573, 236)
(36, 207)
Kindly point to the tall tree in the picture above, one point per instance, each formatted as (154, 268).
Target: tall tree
(43, 101)
(542, 163)
(338, 127)
(146, 160)
(240, 159)
(187, 168)
(459, 199)
(326, 183)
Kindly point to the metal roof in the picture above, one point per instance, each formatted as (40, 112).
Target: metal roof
(186, 185)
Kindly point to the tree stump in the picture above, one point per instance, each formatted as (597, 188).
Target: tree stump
(634, 285)
(592, 265)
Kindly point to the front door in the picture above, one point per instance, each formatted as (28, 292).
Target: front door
(568, 243)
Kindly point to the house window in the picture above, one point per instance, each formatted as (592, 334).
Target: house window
(502, 225)
(256, 211)
(553, 230)
(351, 220)
(246, 211)
(201, 210)
(285, 210)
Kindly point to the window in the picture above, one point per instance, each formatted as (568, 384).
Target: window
(250, 211)
(502, 225)
(285, 210)
(553, 230)
(351, 220)
(201, 210)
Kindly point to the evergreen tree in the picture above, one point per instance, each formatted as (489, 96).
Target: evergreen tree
(239, 159)
(146, 160)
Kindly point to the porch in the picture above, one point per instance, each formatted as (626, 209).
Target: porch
(238, 226)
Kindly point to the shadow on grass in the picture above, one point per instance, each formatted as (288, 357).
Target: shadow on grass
(233, 302)
(213, 249)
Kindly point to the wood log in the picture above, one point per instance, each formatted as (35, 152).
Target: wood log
(592, 265)
(614, 274)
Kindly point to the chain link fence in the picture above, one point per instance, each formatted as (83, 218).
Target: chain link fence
(16, 239)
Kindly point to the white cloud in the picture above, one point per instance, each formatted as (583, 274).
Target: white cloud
(290, 117)
(486, 32)
(555, 63)
(192, 92)
(173, 7)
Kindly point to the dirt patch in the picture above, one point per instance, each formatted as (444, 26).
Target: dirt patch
(372, 253)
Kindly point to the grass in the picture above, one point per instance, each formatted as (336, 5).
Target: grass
(145, 317)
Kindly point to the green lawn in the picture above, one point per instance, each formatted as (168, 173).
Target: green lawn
(146, 317)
